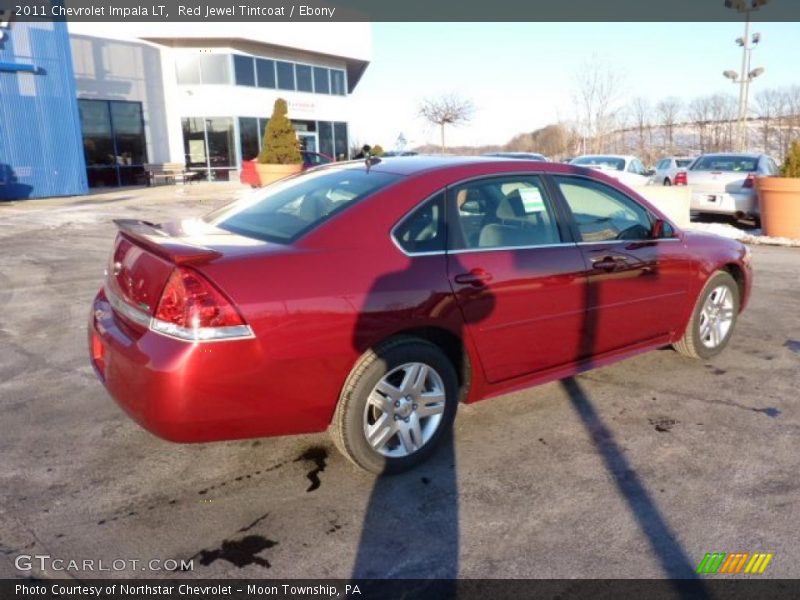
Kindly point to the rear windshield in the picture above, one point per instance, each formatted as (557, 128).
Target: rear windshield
(683, 162)
(726, 163)
(608, 162)
(285, 211)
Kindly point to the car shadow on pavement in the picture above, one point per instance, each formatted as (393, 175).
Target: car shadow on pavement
(674, 561)
(411, 526)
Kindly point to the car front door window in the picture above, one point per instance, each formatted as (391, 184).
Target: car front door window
(602, 213)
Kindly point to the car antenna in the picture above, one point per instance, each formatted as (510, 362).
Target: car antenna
(369, 159)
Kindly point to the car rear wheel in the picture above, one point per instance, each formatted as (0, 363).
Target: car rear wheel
(713, 319)
(667, 181)
(396, 406)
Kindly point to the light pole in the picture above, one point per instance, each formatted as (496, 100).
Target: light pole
(745, 6)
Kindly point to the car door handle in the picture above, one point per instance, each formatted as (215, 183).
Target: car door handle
(608, 263)
(476, 277)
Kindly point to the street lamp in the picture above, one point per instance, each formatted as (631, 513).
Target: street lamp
(747, 44)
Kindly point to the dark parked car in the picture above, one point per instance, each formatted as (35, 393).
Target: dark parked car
(371, 299)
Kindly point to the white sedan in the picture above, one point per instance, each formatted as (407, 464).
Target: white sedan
(625, 168)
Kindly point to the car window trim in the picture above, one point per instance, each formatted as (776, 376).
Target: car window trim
(408, 215)
(554, 196)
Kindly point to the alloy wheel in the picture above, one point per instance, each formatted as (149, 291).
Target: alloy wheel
(716, 318)
(404, 410)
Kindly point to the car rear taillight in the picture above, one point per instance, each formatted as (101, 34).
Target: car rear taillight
(191, 308)
(680, 178)
(750, 181)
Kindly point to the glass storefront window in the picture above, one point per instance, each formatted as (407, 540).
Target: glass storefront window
(128, 133)
(285, 75)
(340, 140)
(249, 141)
(209, 146)
(265, 69)
(321, 82)
(337, 82)
(325, 132)
(194, 143)
(243, 70)
(98, 144)
(113, 141)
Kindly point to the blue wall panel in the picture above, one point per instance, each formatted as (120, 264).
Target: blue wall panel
(41, 148)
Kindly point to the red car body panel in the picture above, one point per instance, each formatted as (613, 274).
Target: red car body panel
(317, 305)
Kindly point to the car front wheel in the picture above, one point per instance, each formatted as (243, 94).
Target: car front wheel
(396, 406)
(713, 319)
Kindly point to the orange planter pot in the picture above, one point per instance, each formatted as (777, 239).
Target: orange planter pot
(257, 175)
(779, 199)
(270, 173)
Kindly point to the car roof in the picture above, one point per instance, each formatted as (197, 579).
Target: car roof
(414, 165)
(747, 154)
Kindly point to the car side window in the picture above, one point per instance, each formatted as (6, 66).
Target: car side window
(501, 212)
(772, 167)
(424, 229)
(603, 213)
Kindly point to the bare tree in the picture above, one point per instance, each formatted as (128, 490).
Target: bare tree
(448, 109)
(768, 105)
(700, 114)
(641, 114)
(596, 96)
(669, 110)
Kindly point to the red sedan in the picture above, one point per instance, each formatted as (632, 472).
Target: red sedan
(371, 298)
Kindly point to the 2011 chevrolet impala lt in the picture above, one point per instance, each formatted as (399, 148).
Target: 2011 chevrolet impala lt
(370, 298)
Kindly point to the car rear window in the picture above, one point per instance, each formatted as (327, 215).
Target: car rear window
(608, 162)
(683, 162)
(730, 163)
(285, 211)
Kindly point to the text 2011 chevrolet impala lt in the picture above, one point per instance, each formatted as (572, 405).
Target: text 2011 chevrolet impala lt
(371, 299)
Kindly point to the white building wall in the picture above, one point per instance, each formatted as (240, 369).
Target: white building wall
(114, 62)
(109, 69)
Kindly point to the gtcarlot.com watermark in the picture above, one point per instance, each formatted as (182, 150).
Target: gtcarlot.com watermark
(45, 562)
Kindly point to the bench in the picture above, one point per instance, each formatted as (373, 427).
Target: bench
(170, 174)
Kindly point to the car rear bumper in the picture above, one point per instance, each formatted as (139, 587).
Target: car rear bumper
(192, 392)
(725, 202)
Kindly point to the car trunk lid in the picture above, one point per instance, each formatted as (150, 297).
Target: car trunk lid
(145, 255)
(716, 181)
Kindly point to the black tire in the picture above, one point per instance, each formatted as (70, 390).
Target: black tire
(691, 344)
(347, 426)
(667, 181)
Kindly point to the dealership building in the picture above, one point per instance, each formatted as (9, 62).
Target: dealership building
(90, 104)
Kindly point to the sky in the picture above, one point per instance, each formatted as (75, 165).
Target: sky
(522, 76)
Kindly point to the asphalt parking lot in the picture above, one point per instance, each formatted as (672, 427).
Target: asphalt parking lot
(634, 470)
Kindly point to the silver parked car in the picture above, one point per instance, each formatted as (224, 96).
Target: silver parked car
(667, 168)
(725, 183)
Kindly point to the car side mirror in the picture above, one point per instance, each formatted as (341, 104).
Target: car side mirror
(661, 229)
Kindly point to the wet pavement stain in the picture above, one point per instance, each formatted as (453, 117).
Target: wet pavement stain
(716, 370)
(318, 455)
(770, 411)
(254, 523)
(240, 478)
(793, 345)
(663, 424)
(238, 552)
